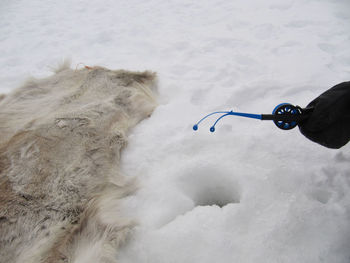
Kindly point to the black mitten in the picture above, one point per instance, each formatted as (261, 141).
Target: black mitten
(329, 122)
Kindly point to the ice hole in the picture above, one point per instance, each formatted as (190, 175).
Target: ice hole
(216, 195)
(321, 195)
(208, 186)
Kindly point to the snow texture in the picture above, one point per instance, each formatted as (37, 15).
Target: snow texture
(248, 192)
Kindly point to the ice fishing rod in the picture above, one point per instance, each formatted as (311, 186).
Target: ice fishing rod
(285, 116)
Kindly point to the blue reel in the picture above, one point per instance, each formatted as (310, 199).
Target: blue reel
(285, 116)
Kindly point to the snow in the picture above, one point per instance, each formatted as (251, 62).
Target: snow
(248, 192)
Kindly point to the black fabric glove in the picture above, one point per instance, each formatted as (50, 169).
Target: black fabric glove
(329, 122)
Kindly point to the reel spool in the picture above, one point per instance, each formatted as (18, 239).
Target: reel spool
(286, 109)
(285, 116)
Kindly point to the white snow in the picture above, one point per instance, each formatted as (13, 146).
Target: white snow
(248, 192)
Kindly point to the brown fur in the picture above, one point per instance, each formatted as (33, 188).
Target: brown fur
(60, 145)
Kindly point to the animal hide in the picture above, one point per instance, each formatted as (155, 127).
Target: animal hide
(60, 144)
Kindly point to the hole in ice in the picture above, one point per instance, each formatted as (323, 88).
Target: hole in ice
(321, 195)
(208, 186)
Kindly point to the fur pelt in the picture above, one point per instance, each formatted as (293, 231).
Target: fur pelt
(60, 144)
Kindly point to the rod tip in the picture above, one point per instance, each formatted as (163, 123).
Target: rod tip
(195, 127)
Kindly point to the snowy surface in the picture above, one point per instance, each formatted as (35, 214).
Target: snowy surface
(248, 192)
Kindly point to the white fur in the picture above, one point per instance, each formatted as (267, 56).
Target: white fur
(60, 145)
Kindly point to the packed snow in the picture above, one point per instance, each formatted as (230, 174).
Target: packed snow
(249, 192)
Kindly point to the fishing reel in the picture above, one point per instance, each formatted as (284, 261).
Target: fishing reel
(285, 116)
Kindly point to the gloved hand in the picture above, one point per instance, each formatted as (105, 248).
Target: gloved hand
(329, 122)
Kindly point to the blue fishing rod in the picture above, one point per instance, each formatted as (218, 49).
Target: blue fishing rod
(285, 116)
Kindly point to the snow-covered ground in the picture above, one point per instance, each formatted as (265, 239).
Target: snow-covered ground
(248, 192)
